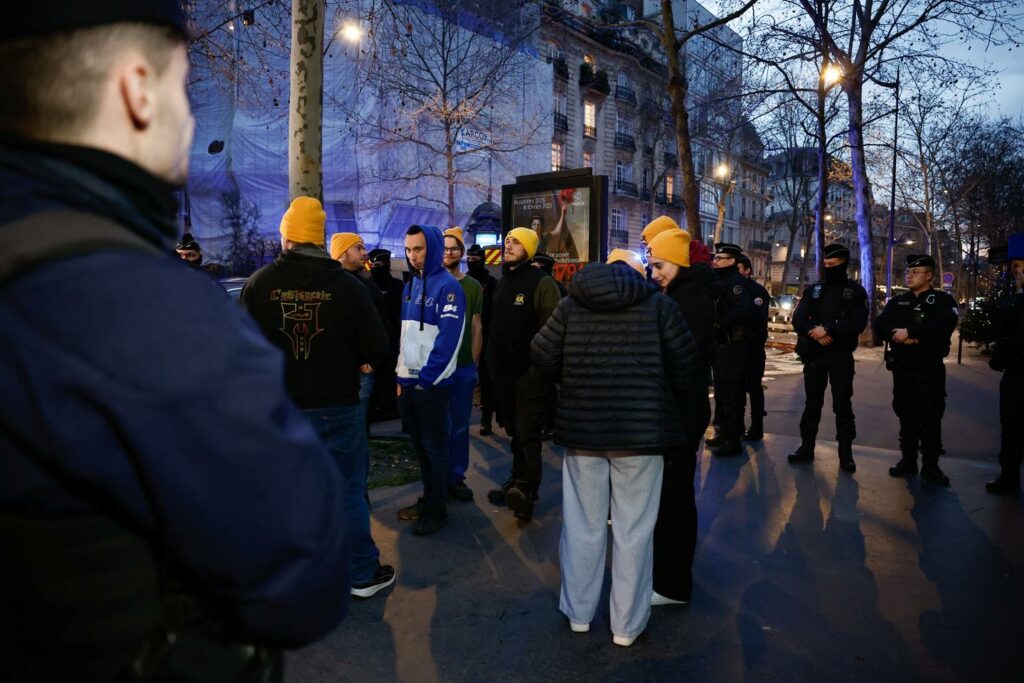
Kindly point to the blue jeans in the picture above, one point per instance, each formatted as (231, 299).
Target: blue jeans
(460, 410)
(425, 412)
(344, 432)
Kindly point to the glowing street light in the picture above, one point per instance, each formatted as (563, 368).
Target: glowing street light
(351, 33)
(831, 75)
(722, 171)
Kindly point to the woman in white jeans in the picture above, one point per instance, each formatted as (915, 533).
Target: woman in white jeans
(623, 357)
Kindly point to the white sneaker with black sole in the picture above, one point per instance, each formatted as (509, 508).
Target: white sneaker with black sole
(382, 578)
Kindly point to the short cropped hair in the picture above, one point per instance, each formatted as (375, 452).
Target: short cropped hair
(51, 84)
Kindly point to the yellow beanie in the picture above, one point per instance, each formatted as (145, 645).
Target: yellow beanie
(342, 242)
(627, 257)
(528, 238)
(455, 232)
(303, 222)
(656, 227)
(672, 246)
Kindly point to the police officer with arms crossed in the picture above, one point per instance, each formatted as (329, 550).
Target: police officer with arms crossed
(828, 322)
(753, 370)
(918, 325)
(735, 334)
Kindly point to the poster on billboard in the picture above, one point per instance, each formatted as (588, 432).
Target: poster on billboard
(566, 210)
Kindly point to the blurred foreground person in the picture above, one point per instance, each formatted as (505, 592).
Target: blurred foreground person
(1008, 358)
(166, 513)
(624, 359)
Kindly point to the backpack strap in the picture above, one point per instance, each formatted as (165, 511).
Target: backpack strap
(54, 235)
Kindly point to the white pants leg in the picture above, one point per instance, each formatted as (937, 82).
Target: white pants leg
(635, 496)
(584, 539)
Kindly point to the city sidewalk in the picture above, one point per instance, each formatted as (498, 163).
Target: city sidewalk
(802, 574)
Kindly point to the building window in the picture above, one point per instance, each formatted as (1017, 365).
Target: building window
(630, 13)
(589, 120)
(588, 160)
(557, 156)
(589, 59)
(668, 186)
(617, 225)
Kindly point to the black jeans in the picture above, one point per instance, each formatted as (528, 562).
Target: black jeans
(753, 374)
(1011, 398)
(819, 371)
(521, 400)
(919, 399)
(729, 388)
(425, 412)
(487, 400)
(675, 534)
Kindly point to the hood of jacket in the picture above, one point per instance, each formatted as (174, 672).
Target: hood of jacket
(433, 263)
(604, 287)
(309, 267)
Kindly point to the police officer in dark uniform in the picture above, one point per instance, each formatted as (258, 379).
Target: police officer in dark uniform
(390, 287)
(918, 325)
(828, 322)
(1008, 358)
(735, 333)
(753, 371)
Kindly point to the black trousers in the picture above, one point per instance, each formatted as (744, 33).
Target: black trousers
(919, 399)
(729, 360)
(1011, 398)
(753, 376)
(675, 533)
(521, 400)
(487, 400)
(821, 370)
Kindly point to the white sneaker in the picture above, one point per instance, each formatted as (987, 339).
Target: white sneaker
(624, 641)
(579, 628)
(657, 599)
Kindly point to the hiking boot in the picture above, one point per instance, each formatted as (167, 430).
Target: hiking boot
(520, 502)
(381, 579)
(1005, 485)
(431, 521)
(904, 468)
(460, 492)
(846, 463)
(804, 453)
(413, 511)
(497, 496)
(933, 475)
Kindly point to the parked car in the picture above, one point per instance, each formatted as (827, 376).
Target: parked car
(233, 286)
(780, 308)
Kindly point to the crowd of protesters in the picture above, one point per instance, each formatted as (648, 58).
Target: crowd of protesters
(186, 500)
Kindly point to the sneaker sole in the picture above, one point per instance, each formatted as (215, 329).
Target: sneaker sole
(370, 591)
(624, 641)
(579, 628)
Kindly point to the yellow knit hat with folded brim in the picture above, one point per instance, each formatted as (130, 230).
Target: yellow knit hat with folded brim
(303, 222)
(672, 246)
(456, 232)
(342, 242)
(656, 227)
(526, 237)
(627, 257)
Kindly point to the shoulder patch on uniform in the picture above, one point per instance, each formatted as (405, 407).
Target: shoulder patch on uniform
(930, 298)
(758, 301)
(738, 289)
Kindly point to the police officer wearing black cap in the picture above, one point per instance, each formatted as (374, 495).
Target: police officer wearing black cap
(917, 326)
(753, 371)
(736, 332)
(828, 322)
(1008, 358)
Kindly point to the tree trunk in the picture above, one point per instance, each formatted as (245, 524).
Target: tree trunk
(803, 263)
(862, 194)
(821, 208)
(720, 222)
(789, 255)
(677, 89)
(305, 102)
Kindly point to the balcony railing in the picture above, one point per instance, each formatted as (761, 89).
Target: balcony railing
(561, 68)
(625, 188)
(561, 123)
(620, 234)
(597, 82)
(558, 167)
(625, 141)
(624, 93)
(671, 159)
(758, 245)
(590, 131)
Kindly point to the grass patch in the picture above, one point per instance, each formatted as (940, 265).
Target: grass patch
(392, 463)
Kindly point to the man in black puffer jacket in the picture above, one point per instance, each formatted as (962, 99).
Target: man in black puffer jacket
(624, 359)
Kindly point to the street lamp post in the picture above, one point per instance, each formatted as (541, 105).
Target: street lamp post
(892, 193)
(830, 76)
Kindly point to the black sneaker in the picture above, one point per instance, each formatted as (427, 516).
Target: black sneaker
(802, 454)
(715, 441)
(753, 435)
(486, 430)
(430, 522)
(933, 475)
(904, 468)
(728, 448)
(1004, 485)
(382, 578)
(497, 496)
(460, 492)
(413, 511)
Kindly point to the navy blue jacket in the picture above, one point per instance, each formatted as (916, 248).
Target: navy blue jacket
(120, 367)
